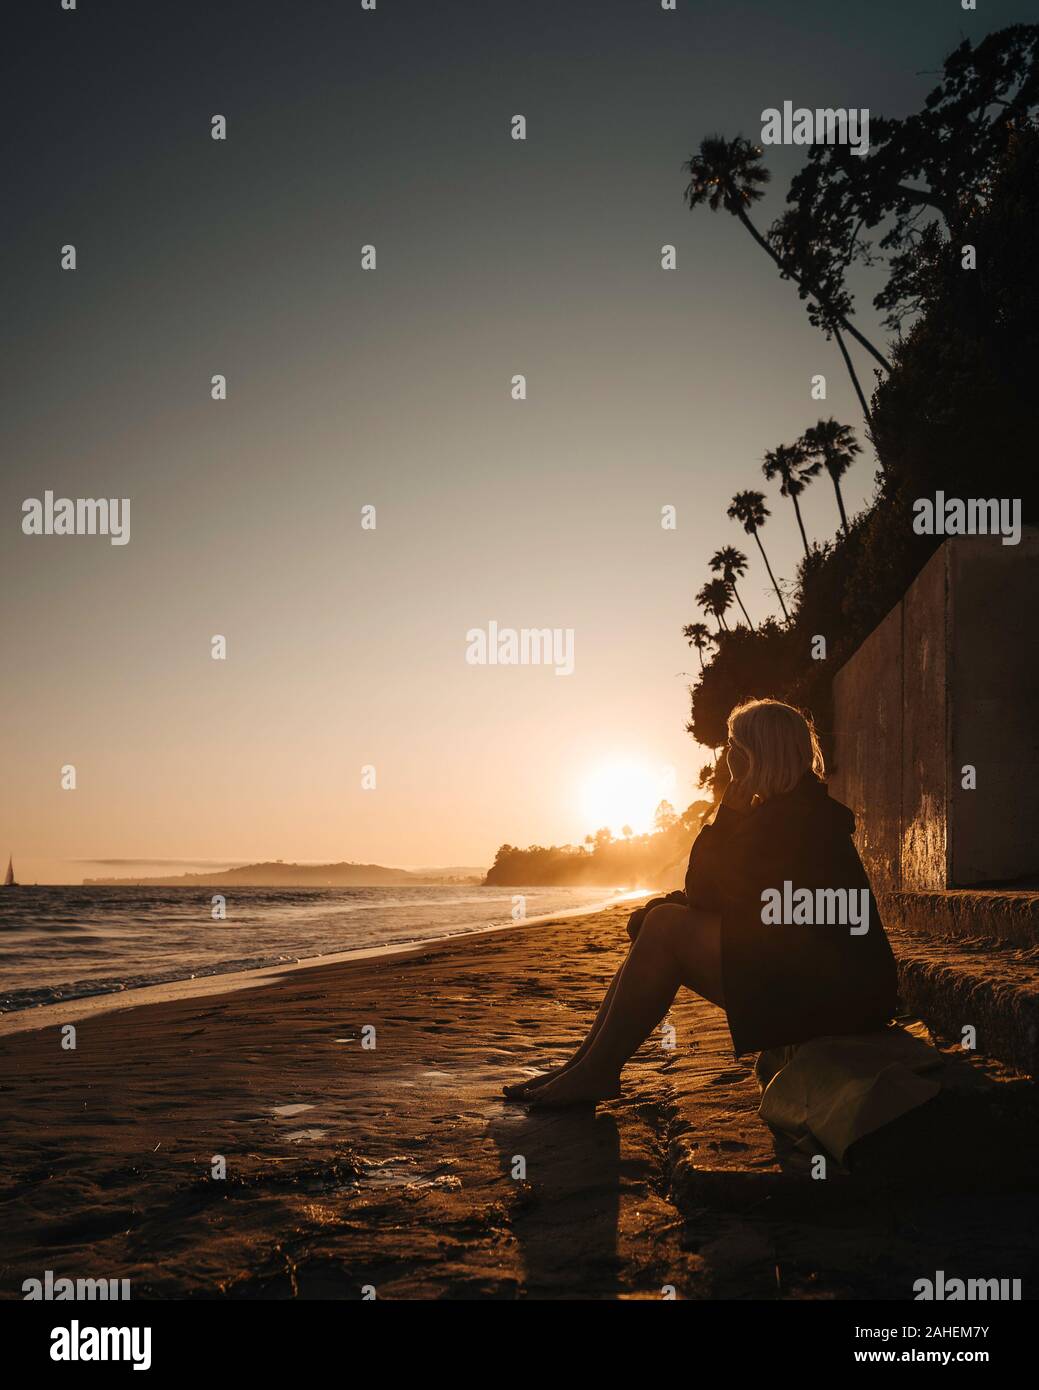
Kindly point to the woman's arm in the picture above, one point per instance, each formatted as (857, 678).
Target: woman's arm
(707, 850)
(711, 859)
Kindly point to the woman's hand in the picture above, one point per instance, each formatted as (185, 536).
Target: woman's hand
(740, 791)
(738, 795)
(635, 921)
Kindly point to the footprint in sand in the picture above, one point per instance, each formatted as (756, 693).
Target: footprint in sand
(284, 1111)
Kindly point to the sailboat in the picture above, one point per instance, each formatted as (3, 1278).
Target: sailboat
(9, 876)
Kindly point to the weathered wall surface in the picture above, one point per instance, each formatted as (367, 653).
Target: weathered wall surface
(949, 678)
(867, 748)
(994, 617)
(925, 727)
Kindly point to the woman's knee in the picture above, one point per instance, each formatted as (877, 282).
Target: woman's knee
(691, 940)
(662, 924)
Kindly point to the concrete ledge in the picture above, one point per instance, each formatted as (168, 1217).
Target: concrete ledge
(1009, 916)
(951, 985)
(981, 1131)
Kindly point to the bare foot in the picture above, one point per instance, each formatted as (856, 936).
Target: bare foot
(517, 1090)
(579, 1086)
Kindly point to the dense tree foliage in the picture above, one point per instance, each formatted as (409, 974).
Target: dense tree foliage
(957, 412)
(637, 861)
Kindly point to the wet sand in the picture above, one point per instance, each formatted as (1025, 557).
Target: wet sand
(399, 1171)
(397, 1168)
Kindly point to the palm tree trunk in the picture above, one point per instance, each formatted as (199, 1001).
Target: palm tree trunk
(699, 653)
(736, 596)
(848, 327)
(854, 379)
(840, 502)
(779, 592)
(797, 509)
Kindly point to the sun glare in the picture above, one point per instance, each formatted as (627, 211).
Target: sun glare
(622, 792)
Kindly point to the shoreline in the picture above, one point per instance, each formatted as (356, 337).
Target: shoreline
(79, 1007)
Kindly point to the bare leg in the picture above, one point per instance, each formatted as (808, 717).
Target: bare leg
(520, 1089)
(674, 947)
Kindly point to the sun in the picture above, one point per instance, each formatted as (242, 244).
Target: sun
(623, 792)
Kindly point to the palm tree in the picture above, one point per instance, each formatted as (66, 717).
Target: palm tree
(714, 598)
(728, 174)
(731, 564)
(787, 462)
(749, 509)
(831, 446)
(699, 636)
(806, 257)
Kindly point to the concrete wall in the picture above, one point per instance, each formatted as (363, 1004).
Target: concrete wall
(950, 677)
(994, 717)
(925, 727)
(867, 749)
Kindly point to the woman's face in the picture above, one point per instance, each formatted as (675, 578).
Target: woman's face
(737, 759)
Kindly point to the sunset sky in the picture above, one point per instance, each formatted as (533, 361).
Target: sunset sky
(347, 647)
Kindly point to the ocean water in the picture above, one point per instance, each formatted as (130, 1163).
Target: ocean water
(66, 943)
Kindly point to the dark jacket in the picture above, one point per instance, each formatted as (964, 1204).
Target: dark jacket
(789, 981)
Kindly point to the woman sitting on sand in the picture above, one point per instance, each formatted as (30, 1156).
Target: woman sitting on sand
(781, 977)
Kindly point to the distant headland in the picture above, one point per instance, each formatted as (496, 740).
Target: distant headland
(278, 874)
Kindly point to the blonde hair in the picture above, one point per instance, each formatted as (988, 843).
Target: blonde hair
(780, 742)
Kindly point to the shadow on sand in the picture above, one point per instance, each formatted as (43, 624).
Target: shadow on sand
(566, 1218)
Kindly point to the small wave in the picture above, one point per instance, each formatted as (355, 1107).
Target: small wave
(51, 926)
(13, 1000)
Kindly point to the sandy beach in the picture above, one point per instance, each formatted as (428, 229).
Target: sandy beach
(399, 1169)
(346, 1167)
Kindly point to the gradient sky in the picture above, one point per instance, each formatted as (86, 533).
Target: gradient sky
(495, 257)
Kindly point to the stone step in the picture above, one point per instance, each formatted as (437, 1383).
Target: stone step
(990, 986)
(980, 1131)
(1010, 916)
